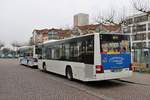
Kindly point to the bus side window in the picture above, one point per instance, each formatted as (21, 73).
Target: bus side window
(89, 59)
(57, 52)
(73, 51)
(38, 51)
(90, 46)
(49, 53)
(63, 52)
(82, 51)
(67, 56)
(86, 50)
(60, 51)
(44, 52)
(76, 51)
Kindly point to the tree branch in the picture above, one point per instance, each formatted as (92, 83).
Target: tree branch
(111, 18)
(142, 6)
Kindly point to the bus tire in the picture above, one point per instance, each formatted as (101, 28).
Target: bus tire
(44, 67)
(69, 73)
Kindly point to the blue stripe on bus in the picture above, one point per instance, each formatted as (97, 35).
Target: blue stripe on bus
(112, 61)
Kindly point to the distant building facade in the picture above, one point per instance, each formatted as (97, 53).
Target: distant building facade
(39, 36)
(53, 34)
(64, 33)
(59, 33)
(95, 28)
(81, 19)
(139, 27)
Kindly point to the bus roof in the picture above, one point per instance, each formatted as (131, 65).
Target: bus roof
(51, 41)
(25, 47)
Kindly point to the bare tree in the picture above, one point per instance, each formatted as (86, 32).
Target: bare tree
(105, 18)
(113, 17)
(142, 6)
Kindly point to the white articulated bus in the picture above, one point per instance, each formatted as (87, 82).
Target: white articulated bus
(26, 56)
(91, 57)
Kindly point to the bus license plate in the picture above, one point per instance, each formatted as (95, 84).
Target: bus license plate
(116, 70)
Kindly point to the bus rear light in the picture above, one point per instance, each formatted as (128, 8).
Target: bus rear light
(99, 69)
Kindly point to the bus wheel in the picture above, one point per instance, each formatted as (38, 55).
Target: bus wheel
(44, 67)
(69, 73)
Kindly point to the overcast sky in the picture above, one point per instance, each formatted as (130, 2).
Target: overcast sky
(18, 18)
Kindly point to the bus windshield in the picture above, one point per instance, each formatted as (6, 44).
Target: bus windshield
(114, 44)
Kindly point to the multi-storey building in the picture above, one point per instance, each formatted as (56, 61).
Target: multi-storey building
(58, 33)
(95, 28)
(81, 19)
(53, 33)
(139, 28)
(64, 33)
(40, 36)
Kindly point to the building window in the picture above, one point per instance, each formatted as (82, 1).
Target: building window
(127, 30)
(134, 29)
(129, 21)
(139, 44)
(53, 35)
(148, 35)
(141, 19)
(141, 36)
(139, 28)
(149, 26)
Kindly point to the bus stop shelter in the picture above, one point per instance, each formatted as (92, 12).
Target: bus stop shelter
(141, 57)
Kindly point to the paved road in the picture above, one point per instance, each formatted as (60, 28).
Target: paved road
(23, 83)
(139, 78)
